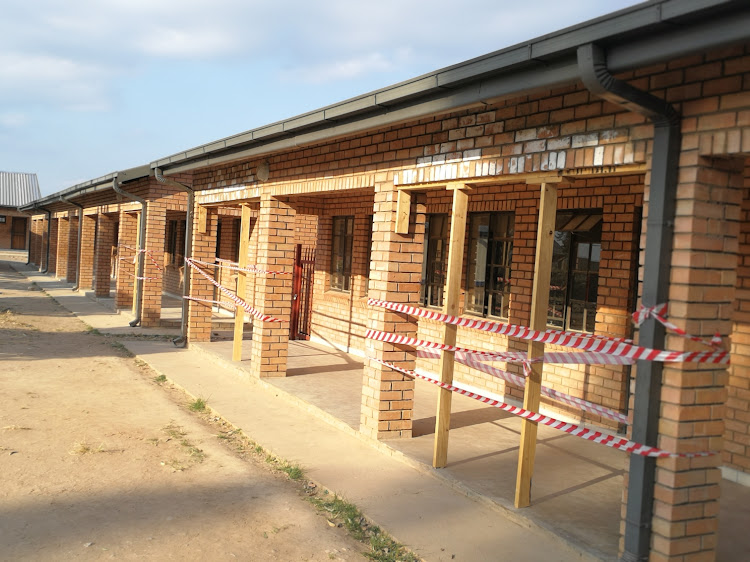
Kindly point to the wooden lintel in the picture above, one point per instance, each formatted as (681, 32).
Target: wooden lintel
(202, 219)
(539, 304)
(403, 210)
(239, 313)
(233, 203)
(451, 299)
(457, 185)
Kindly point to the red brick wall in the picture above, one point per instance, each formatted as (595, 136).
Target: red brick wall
(63, 239)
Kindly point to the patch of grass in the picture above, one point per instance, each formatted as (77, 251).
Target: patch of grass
(83, 448)
(197, 405)
(194, 454)
(382, 547)
(120, 347)
(160, 379)
(93, 331)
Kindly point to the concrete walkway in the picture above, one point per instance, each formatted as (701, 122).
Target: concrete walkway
(464, 510)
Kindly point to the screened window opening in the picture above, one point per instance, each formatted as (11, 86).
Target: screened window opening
(489, 264)
(341, 253)
(435, 263)
(574, 281)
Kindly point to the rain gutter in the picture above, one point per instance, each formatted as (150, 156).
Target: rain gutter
(141, 247)
(80, 237)
(635, 37)
(182, 340)
(596, 77)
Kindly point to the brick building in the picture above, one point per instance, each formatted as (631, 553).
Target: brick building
(16, 189)
(631, 133)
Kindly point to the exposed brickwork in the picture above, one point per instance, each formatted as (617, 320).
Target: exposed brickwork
(127, 241)
(63, 239)
(395, 273)
(105, 238)
(204, 249)
(35, 240)
(6, 228)
(153, 265)
(53, 234)
(273, 293)
(737, 425)
(72, 256)
(88, 240)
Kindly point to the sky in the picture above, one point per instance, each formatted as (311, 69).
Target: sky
(89, 87)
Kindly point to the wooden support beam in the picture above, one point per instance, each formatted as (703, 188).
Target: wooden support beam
(239, 313)
(451, 299)
(403, 211)
(202, 219)
(539, 302)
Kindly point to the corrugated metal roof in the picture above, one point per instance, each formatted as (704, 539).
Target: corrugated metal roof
(18, 188)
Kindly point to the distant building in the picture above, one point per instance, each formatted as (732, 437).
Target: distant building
(16, 189)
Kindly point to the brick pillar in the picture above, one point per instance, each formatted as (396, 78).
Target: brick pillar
(704, 262)
(88, 237)
(204, 249)
(63, 238)
(103, 254)
(273, 293)
(72, 249)
(34, 241)
(395, 274)
(126, 254)
(43, 241)
(52, 268)
(156, 229)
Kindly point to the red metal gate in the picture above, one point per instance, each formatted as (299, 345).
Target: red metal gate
(302, 284)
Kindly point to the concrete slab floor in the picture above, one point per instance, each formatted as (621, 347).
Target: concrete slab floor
(577, 484)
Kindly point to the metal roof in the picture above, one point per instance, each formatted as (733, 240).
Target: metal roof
(18, 188)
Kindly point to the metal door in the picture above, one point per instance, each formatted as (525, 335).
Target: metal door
(302, 285)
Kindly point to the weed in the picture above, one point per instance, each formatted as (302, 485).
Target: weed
(120, 347)
(197, 405)
(93, 331)
(83, 448)
(293, 471)
(382, 547)
(174, 431)
(160, 379)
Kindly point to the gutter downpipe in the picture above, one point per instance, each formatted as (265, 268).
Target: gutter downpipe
(141, 247)
(80, 237)
(182, 340)
(49, 233)
(658, 254)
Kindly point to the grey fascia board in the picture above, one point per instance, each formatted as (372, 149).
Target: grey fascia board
(238, 139)
(406, 90)
(734, 28)
(676, 8)
(506, 62)
(304, 121)
(351, 107)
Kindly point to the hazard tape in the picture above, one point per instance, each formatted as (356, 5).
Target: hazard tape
(557, 357)
(247, 269)
(659, 313)
(473, 362)
(584, 342)
(237, 300)
(618, 443)
(138, 251)
(220, 303)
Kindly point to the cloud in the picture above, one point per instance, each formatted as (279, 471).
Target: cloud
(344, 69)
(13, 120)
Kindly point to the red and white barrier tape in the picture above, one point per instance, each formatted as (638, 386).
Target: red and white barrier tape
(140, 278)
(221, 303)
(573, 429)
(138, 251)
(248, 269)
(659, 313)
(475, 363)
(566, 339)
(237, 300)
(557, 357)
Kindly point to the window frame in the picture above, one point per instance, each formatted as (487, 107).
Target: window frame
(581, 227)
(432, 245)
(341, 248)
(480, 259)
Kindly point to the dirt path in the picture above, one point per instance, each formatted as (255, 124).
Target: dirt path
(96, 462)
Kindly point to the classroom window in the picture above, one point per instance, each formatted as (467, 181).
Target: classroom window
(341, 253)
(574, 281)
(435, 262)
(489, 263)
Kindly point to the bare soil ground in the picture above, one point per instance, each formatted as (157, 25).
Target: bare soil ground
(98, 462)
